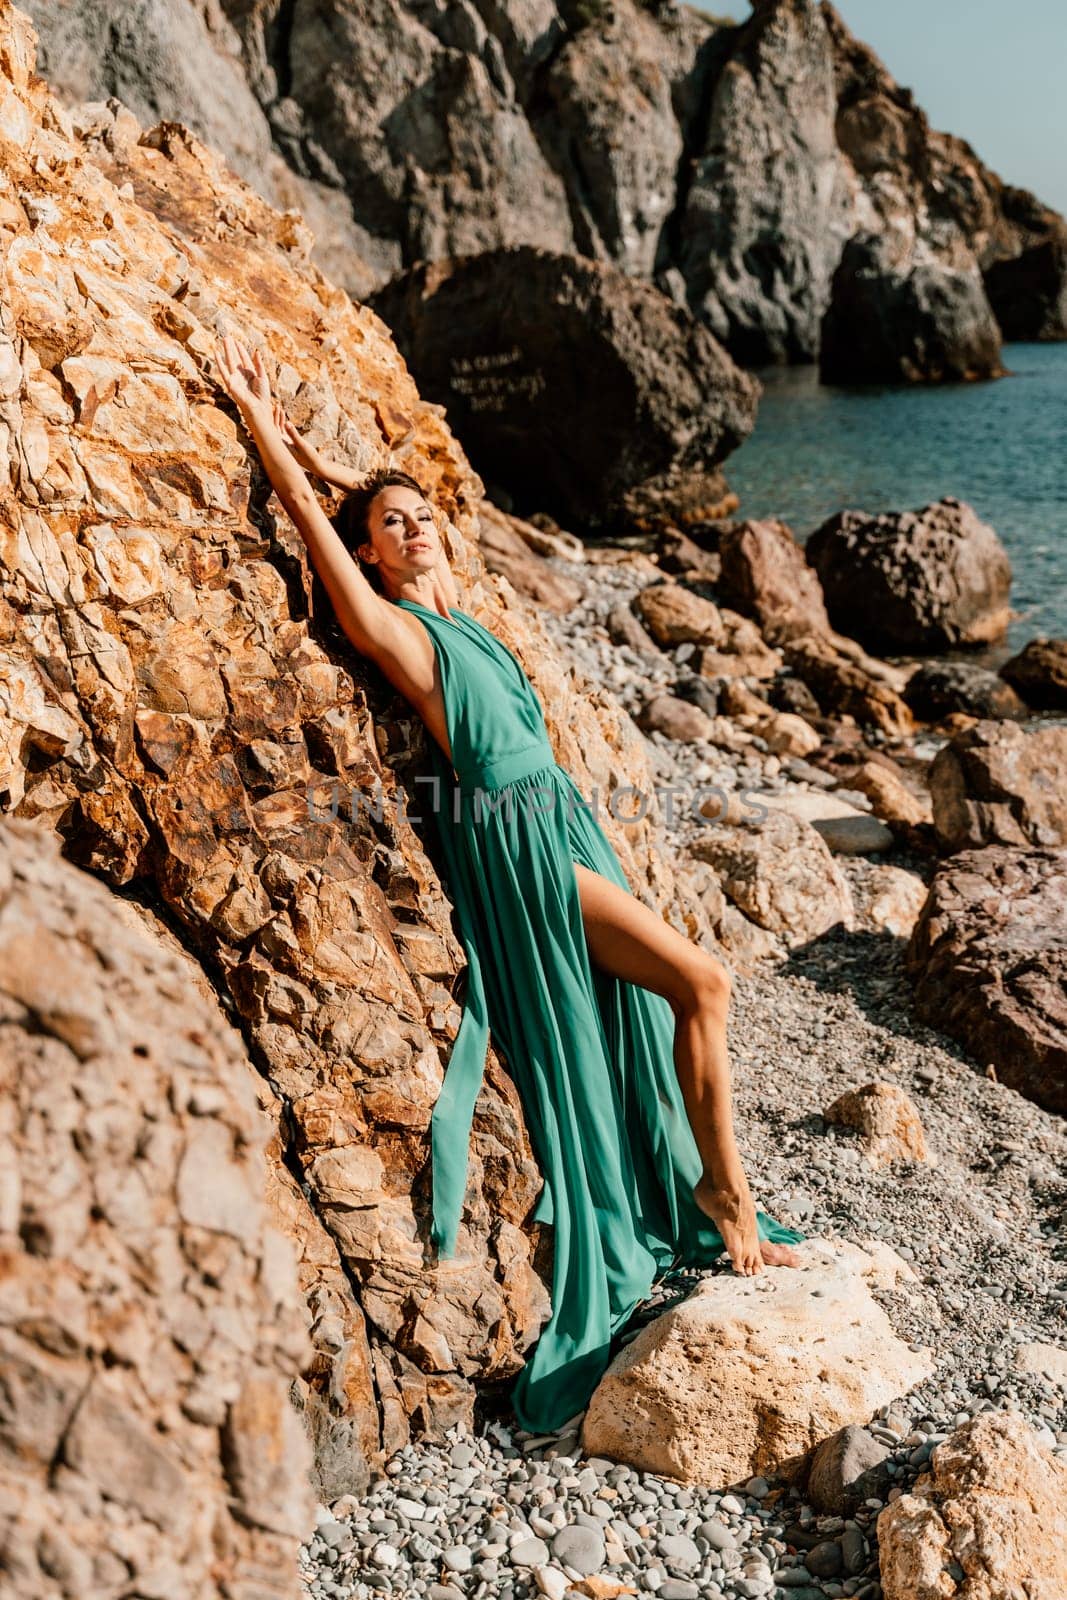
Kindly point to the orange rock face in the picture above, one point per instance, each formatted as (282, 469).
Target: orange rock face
(170, 697)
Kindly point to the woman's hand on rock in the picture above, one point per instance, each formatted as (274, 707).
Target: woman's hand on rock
(305, 453)
(244, 376)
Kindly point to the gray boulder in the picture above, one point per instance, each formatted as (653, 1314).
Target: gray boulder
(938, 688)
(907, 315)
(913, 582)
(768, 207)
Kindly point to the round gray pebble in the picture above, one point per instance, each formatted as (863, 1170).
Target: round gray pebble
(718, 1535)
(678, 1550)
(580, 1548)
(529, 1553)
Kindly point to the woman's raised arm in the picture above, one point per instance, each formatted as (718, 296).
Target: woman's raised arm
(366, 617)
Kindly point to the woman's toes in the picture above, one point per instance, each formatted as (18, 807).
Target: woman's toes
(779, 1255)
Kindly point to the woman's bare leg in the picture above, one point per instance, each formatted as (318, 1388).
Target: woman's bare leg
(630, 941)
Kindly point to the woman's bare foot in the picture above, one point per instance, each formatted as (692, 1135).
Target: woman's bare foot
(734, 1214)
(779, 1255)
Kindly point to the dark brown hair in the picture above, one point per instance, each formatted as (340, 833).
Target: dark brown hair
(351, 519)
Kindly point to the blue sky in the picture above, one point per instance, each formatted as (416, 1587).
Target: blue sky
(993, 74)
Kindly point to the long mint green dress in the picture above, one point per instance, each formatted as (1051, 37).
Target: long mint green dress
(592, 1056)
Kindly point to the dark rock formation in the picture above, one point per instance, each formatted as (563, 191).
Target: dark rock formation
(768, 205)
(989, 960)
(431, 131)
(1028, 289)
(913, 581)
(928, 194)
(938, 688)
(1039, 673)
(697, 505)
(569, 382)
(729, 163)
(897, 316)
(996, 783)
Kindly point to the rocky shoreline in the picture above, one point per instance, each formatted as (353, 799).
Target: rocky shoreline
(226, 1021)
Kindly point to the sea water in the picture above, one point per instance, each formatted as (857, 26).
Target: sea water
(1000, 445)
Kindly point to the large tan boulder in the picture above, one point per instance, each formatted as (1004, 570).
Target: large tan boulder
(151, 1322)
(988, 1521)
(748, 1374)
(786, 734)
(779, 873)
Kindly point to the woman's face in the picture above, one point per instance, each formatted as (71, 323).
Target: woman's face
(403, 534)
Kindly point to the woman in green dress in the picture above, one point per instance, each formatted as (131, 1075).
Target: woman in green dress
(612, 1023)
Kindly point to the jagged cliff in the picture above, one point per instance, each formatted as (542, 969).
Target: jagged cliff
(730, 163)
(167, 699)
(151, 1324)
